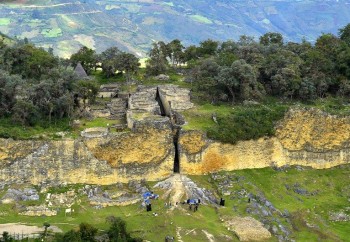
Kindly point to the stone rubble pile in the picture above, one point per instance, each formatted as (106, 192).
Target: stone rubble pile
(16, 195)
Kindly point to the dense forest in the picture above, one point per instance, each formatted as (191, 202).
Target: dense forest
(37, 87)
(249, 70)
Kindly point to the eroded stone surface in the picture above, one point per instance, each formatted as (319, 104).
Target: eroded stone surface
(148, 152)
(313, 130)
(248, 229)
(179, 98)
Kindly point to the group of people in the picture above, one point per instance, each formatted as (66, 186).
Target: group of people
(193, 204)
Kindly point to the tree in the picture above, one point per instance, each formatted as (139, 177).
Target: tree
(277, 70)
(87, 90)
(299, 48)
(285, 82)
(25, 113)
(344, 34)
(175, 52)
(271, 38)
(208, 47)
(344, 88)
(8, 90)
(228, 79)
(28, 61)
(87, 232)
(46, 226)
(343, 61)
(109, 59)
(71, 235)
(329, 45)
(157, 63)
(204, 78)
(249, 88)
(191, 53)
(117, 231)
(246, 40)
(87, 57)
(129, 64)
(6, 237)
(307, 90)
(228, 46)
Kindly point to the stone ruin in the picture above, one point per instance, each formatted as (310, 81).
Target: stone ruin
(179, 99)
(108, 90)
(96, 132)
(157, 104)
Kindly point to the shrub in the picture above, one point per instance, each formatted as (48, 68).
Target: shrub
(246, 124)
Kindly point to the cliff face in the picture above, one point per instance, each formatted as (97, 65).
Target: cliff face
(303, 137)
(147, 155)
(313, 130)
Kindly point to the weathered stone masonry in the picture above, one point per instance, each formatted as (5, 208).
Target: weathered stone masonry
(304, 137)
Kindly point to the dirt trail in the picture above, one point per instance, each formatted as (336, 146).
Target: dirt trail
(25, 229)
(178, 189)
(209, 236)
(179, 238)
(47, 6)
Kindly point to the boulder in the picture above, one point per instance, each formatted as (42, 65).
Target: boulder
(162, 77)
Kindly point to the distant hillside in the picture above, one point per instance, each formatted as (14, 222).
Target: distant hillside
(134, 24)
(5, 38)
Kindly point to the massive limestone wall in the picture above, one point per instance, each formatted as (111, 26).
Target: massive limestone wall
(105, 160)
(303, 137)
(306, 137)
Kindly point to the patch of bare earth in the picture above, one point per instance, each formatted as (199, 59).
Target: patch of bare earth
(15, 228)
(247, 228)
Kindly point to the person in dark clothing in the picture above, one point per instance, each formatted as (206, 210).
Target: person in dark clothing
(196, 207)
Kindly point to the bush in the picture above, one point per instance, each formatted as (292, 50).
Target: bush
(246, 124)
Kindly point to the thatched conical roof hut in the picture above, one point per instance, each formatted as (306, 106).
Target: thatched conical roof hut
(79, 70)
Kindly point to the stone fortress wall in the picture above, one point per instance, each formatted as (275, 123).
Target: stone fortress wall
(306, 137)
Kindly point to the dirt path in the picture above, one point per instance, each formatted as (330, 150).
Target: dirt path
(209, 236)
(24, 229)
(178, 235)
(176, 189)
(46, 6)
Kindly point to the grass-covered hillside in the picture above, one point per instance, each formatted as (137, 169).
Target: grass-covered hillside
(294, 203)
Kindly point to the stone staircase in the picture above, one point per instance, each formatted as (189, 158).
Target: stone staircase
(144, 100)
(117, 108)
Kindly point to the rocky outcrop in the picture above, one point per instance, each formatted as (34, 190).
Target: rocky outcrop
(103, 160)
(305, 137)
(312, 130)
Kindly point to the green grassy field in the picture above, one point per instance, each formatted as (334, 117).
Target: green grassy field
(308, 216)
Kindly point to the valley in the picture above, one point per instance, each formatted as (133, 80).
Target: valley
(134, 25)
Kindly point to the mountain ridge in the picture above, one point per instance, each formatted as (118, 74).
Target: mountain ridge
(133, 25)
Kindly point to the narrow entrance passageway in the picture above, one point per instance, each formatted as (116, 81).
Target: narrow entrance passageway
(176, 129)
(176, 157)
(160, 103)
